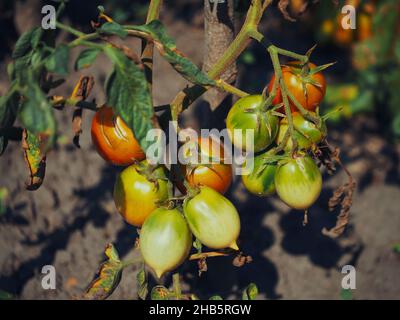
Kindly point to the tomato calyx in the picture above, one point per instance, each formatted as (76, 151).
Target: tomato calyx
(150, 172)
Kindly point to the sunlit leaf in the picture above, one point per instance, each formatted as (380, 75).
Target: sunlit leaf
(216, 297)
(108, 276)
(128, 93)
(86, 58)
(35, 160)
(167, 48)
(250, 293)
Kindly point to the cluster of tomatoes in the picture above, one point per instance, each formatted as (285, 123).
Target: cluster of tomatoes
(141, 191)
(141, 196)
(294, 176)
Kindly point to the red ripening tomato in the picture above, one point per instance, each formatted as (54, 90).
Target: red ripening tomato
(294, 81)
(113, 139)
(217, 176)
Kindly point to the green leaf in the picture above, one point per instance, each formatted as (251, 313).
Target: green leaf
(396, 125)
(35, 160)
(9, 105)
(27, 41)
(57, 62)
(86, 58)
(216, 297)
(167, 48)
(141, 279)
(250, 293)
(346, 294)
(109, 276)
(36, 114)
(5, 295)
(3, 200)
(8, 108)
(128, 93)
(396, 248)
(113, 28)
(160, 293)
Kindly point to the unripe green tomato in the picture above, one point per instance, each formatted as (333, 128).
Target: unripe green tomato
(298, 182)
(165, 240)
(213, 219)
(306, 133)
(135, 196)
(245, 114)
(261, 181)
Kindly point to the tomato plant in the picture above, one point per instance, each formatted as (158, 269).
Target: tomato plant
(306, 132)
(146, 193)
(113, 139)
(216, 175)
(261, 179)
(213, 219)
(137, 190)
(165, 240)
(298, 182)
(304, 83)
(248, 114)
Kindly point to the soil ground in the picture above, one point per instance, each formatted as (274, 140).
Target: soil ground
(70, 219)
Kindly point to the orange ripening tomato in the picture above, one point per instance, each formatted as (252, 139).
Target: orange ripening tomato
(295, 83)
(113, 139)
(217, 176)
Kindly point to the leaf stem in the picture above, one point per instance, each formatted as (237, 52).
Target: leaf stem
(230, 88)
(69, 29)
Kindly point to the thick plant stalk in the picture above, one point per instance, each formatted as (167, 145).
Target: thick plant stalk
(219, 33)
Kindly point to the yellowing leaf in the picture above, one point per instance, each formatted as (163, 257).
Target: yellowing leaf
(34, 158)
(108, 276)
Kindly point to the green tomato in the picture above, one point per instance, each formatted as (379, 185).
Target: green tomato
(246, 114)
(306, 133)
(298, 182)
(135, 196)
(165, 240)
(261, 180)
(213, 219)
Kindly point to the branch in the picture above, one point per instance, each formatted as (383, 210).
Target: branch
(148, 45)
(188, 95)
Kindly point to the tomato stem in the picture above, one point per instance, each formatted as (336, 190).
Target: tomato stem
(230, 88)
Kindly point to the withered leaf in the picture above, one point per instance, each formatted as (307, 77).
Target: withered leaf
(108, 276)
(34, 158)
(80, 93)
